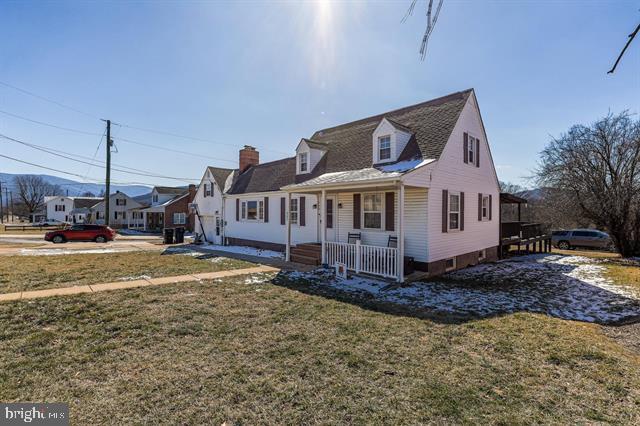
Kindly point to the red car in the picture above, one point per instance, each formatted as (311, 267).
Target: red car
(97, 233)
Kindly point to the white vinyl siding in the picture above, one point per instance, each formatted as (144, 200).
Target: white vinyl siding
(451, 173)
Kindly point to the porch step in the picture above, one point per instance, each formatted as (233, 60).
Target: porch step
(305, 260)
(308, 254)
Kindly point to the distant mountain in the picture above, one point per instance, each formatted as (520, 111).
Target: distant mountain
(76, 188)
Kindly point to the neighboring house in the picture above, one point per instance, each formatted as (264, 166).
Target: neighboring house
(209, 202)
(69, 209)
(169, 208)
(120, 205)
(417, 182)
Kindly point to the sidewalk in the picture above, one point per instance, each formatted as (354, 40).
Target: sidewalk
(120, 285)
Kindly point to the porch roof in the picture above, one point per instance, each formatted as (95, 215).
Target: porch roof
(373, 175)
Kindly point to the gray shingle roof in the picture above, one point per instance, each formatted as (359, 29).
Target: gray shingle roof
(266, 177)
(170, 189)
(220, 175)
(85, 202)
(348, 146)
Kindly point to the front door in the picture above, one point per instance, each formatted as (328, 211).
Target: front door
(331, 218)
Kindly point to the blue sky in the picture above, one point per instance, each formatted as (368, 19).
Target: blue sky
(269, 73)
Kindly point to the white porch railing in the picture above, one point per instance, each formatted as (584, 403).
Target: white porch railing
(358, 257)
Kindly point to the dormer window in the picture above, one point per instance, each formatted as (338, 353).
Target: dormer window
(384, 148)
(304, 161)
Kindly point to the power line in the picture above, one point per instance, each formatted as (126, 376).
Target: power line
(98, 181)
(193, 138)
(68, 129)
(158, 132)
(47, 100)
(43, 149)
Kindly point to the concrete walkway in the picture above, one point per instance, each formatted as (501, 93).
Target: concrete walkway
(120, 285)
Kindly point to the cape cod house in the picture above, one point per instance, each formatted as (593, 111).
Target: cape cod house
(411, 188)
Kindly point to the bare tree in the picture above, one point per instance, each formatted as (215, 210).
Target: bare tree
(88, 194)
(32, 189)
(432, 18)
(599, 166)
(511, 188)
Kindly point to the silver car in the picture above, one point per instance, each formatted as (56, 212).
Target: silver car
(588, 238)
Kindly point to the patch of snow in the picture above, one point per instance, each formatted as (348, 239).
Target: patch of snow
(571, 288)
(139, 277)
(250, 251)
(58, 252)
(258, 279)
(403, 166)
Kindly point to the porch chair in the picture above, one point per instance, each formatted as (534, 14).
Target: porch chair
(353, 237)
(393, 242)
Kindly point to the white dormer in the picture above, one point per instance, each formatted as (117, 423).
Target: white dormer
(308, 154)
(389, 140)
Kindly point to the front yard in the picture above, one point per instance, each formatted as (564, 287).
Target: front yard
(265, 349)
(24, 273)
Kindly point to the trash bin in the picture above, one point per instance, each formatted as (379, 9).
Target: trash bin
(179, 235)
(409, 265)
(168, 236)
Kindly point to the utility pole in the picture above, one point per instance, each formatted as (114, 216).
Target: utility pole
(6, 201)
(107, 183)
(11, 200)
(1, 211)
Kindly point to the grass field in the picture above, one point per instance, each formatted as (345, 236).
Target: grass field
(248, 350)
(22, 273)
(242, 351)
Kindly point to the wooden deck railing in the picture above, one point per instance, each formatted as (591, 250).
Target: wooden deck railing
(375, 260)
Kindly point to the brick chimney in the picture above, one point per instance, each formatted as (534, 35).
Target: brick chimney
(248, 157)
(192, 192)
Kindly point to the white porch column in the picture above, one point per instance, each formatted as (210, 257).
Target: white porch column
(144, 221)
(129, 219)
(401, 234)
(323, 221)
(288, 210)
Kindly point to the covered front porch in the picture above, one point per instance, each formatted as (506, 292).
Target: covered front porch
(146, 219)
(363, 226)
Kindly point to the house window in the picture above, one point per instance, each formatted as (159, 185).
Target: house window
(294, 211)
(471, 149)
(372, 211)
(121, 202)
(252, 210)
(120, 215)
(454, 211)
(450, 264)
(60, 207)
(155, 198)
(304, 163)
(384, 148)
(179, 218)
(485, 207)
(207, 189)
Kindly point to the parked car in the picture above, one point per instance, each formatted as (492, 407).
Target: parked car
(589, 238)
(97, 233)
(50, 222)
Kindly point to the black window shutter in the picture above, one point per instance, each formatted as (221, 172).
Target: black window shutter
(490, 207)
(283, 210)
(477, 152)
(301, 205)
(465, 145)
(356, 211)
(266, 209)
(445, 210)
(389, 210)
(237, 209)
(329, 213)
(462, 211)
(479, 207)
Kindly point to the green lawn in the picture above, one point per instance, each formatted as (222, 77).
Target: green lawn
(22, 273)
(247, 353)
